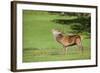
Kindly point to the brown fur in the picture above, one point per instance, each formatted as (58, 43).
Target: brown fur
(67, 40)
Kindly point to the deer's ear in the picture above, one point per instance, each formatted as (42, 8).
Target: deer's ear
(60, 35)
(60, 32)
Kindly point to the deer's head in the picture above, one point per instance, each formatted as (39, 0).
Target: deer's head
(56, 32)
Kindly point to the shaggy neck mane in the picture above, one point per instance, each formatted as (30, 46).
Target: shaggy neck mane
(59, 37)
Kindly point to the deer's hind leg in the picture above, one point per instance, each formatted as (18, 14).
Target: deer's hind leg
(79, 44)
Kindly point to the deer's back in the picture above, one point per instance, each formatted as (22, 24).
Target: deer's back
(68, 40)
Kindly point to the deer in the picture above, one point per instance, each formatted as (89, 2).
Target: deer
(67, 40)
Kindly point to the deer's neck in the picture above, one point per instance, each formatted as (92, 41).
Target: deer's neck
(59, 37)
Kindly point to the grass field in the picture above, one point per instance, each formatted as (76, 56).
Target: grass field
(38, 41)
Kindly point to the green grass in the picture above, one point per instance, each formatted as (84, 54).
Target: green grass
(38, 41)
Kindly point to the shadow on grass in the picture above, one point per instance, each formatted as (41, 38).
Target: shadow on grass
(38, 52)
(37, 55)
(45, 52)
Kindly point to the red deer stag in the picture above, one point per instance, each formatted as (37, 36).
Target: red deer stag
(67, 40)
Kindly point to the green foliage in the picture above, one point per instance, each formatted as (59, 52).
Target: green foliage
(79, 24)
(83, 25)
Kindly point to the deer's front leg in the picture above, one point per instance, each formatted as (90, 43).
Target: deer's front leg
(65, 50)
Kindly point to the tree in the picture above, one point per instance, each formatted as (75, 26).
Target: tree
(80, 24)
(83, 24)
